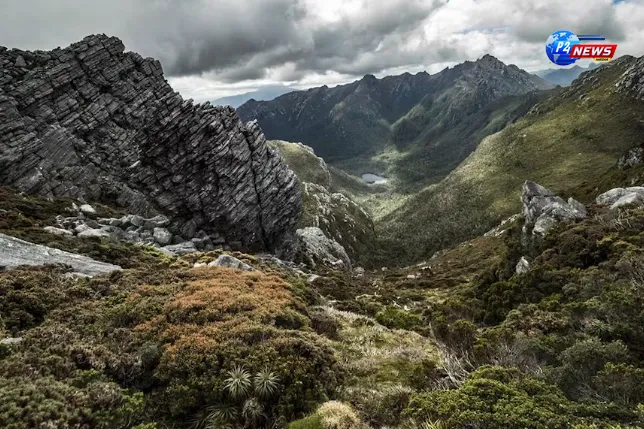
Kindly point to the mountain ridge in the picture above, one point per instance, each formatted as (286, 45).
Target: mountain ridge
(362, 118)
(561, 143)
(565, 76)
(266, 93)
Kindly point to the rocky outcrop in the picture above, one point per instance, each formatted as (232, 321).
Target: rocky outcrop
(315, 249)
(523, 266)
(542, 209)
(632, 158)
(230, 262)
(95, 123)
(621, 197)
(15, 252)
(632, 81)
(339, 218)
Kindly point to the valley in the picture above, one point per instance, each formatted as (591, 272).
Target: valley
(414, 128)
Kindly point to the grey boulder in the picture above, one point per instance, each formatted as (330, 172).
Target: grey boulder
(180, 249)
(620, 197)
(156, 222)
(87, 209)
(57, 231)
(94, 233)
(15, 252)
(230, 262)
(316, 248)
(162, 236)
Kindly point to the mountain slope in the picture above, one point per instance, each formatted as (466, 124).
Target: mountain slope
(343, 121)
(263, 94)
(562, 143)
(422, 115)
(327, 205)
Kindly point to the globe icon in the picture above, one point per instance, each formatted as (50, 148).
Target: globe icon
(559, 45)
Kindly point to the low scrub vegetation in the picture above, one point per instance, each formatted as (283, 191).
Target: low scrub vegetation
(207, 346)
(458, 341)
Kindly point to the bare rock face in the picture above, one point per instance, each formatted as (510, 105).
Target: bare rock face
(95, 123)
(317, 249)
(542, 209)
(632, 81)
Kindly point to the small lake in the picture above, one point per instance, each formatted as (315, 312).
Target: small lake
(373, 179)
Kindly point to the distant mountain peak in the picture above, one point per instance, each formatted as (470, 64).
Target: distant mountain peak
(491, 61)
(362, 117)
(489, 58)
(265, 93)
(565, 76)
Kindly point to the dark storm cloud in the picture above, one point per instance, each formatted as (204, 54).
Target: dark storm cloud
(234, 40)
(199, 35)
(281, 31)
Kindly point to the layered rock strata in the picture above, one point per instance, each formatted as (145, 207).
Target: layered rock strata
(96, 123)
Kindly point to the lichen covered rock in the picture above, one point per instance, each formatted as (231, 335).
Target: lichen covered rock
(620, 197)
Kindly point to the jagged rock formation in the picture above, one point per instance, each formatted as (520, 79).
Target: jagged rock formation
(632, 81)
(15, 252)
(317, 249)
(95, 123)
(542, 209)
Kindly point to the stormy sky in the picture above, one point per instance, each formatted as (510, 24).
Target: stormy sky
(213, 48)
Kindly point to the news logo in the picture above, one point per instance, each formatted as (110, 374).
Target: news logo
(565, 47)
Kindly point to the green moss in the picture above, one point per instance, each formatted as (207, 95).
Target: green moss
(306, 165)
(311, 422)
